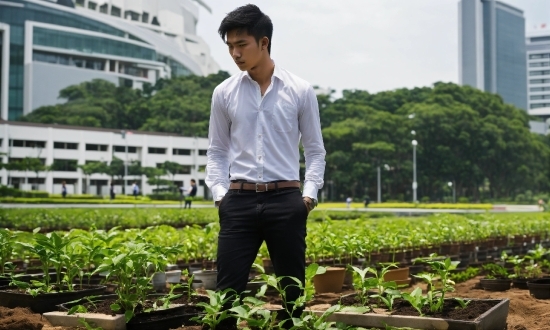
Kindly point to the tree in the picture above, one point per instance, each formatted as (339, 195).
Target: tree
(91, 168)
(154, 177)
(171, 168)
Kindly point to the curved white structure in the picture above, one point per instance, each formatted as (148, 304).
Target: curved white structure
(127, 42)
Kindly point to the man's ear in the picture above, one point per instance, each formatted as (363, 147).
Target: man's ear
(264, 42)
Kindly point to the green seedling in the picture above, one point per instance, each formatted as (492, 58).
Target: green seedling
(215, 312)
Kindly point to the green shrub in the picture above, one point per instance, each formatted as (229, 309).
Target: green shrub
(463, 200)
(170, 197)
(12, 192)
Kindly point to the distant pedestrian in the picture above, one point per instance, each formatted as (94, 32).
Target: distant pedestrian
(135, 190)
(112, 190)
(348, 202)
(63, 189)
(541, 205)
(367, 201)
(191, 193)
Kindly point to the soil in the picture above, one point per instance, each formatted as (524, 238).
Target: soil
(526, 312)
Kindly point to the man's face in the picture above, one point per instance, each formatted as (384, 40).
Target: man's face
(244, 49)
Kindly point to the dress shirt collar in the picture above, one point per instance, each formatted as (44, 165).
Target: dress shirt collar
(276, 73)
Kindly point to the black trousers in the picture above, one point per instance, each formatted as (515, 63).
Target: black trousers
(248, 218)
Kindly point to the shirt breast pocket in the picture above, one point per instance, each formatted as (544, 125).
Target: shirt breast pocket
(284, 117)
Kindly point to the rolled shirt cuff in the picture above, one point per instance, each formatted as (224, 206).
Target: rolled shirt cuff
(218, 191)
(310, 190)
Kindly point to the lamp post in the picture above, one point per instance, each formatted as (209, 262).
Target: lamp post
(379, 190)
(452, 186)
(415, 184)
(123, 134)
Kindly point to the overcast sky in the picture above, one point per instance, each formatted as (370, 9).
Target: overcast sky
(372, 45)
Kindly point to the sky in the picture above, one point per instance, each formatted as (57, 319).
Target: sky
(371, 45)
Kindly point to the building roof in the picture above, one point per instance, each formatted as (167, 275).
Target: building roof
(84, 128)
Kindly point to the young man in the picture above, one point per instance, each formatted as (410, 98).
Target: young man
(191, 192)
(257, 119)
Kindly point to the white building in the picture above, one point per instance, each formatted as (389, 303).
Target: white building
(48, 45)
(70, 146)
(538, 62)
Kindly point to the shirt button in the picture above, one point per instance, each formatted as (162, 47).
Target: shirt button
(259, 176)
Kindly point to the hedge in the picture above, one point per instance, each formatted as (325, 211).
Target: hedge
(12, 192)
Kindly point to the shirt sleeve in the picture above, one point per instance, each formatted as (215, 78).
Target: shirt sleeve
(217, 166)
(312, 141)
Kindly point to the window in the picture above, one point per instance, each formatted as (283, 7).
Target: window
(104, 8)
(28, 144)
(202, 183)
(131, 150)
(79, 3)
(540, 39)
(539, 81)
(131, 15)
(539, 73)
(96, 147)
(64, 165)
(145, 17)
(539, 64)
(65, 145)
(538, 56)
(540, 105)
(182, 152)
(539, 89)
(92, 5)
(17, 160)
(115, 11)
(202, 152)
(159, 151)
(202, 168)
(539, 97)
(67, 181)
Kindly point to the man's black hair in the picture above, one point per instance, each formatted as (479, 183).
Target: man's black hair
(248, 18)
(193, 180)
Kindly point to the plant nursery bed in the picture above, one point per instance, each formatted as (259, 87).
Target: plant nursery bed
(525, 312)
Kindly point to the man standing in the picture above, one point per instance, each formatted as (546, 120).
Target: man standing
(191, 192)
(257, 120)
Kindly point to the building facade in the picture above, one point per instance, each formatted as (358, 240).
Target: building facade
(538, 62)
(492, 49)
(64, 148)
(47, 45)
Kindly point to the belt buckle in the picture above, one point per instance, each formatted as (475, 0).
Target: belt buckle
(259, 184)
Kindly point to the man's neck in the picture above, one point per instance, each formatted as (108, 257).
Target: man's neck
(263, 71)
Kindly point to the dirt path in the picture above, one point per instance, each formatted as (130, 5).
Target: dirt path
(526, 312)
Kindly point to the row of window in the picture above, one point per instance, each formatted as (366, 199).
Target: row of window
(115, 11)
(538, 56)
(540, 97)
(71, 165)
(100, 147)
(540, 105)
(539, 81)
(539, 64)
(539, 89)
(539, 73)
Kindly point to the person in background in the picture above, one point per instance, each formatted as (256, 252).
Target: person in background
(348, 202)
(191, 193)
(367, 201)
(135, 190)
(63, 189)
(112, 190)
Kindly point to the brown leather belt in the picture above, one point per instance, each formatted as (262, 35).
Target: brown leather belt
(263, 186)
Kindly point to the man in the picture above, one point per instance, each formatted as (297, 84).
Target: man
(135, 190)
(191, 192)
(257, 119)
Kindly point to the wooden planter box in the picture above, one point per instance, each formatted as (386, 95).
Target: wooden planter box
(493, 319)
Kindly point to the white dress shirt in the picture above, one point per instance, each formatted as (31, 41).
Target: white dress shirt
(256, 138)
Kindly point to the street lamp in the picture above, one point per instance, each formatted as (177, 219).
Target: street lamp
(123, 134)
(415, 185)
(451, 185)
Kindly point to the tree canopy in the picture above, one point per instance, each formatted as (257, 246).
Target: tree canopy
(465, 136)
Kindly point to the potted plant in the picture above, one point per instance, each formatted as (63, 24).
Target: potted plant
(497, 278)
